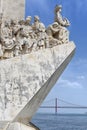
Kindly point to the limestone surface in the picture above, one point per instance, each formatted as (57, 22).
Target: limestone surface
(19, 36)
(20, 126)
(32, 58)
(12, 9)
(22, 77)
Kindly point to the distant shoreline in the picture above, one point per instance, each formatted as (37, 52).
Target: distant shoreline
(64, 114)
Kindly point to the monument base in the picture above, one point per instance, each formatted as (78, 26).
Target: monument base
(4, 125)
(17, 126)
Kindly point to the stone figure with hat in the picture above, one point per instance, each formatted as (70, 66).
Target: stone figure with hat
(63, 33)
(58, 17)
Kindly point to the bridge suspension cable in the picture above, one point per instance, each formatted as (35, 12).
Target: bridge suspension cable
(69, 102)
(69, 106)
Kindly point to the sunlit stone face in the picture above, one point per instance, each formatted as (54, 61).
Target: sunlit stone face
(15, 10)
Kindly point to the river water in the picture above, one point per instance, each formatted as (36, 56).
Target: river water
(61, 121)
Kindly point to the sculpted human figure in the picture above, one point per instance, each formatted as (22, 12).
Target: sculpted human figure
(38, 26)
(17, 50)
(18, 33)
(63, 23)
(58, 17)
(53, 31)
(27, 25)
(21, 22)
(7, 40)
(28, 34)
(39, 29)
(21, 37)
(15, 27)
(28, 20)
(6, 31)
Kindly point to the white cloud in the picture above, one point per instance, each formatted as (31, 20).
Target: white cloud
(81, 62)
(81, 77)
(75, 76)
(70, 84)
(80, 67)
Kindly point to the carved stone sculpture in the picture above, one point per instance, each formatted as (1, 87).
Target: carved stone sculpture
(63, 34)
(53, 33)
(58, 17)
(32, 57)
(21, 36)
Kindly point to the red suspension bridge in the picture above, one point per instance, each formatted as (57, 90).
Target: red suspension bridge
(68, 106)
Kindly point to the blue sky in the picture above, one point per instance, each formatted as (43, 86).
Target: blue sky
(72, 85)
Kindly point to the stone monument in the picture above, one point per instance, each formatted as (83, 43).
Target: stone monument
(12, 9)
(32, 57)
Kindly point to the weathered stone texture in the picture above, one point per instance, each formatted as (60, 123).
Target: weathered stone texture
(21, 77)
(20, 126)
(13, 9)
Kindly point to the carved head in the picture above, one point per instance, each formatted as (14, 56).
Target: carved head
(58, 8)
(13, 22)
(28, 20)
(36, 18)
(21, 22)
(6, 24)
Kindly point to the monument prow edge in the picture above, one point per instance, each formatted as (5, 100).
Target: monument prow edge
(32, 57)
(26, 114)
